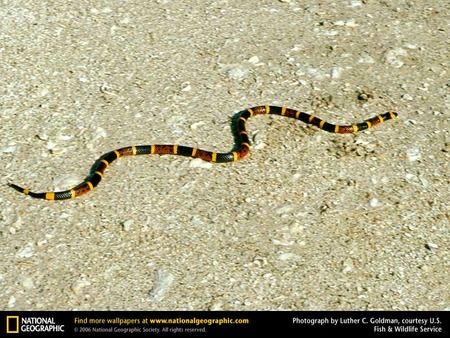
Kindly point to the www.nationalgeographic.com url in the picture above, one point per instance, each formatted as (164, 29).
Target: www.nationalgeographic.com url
(199, 321)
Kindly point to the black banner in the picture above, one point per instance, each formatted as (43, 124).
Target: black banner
(221, 324)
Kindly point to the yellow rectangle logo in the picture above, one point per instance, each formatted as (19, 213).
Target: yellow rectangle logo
(12, 324)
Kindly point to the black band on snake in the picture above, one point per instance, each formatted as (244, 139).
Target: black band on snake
(242, 148)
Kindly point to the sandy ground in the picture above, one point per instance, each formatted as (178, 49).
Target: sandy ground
(309, 221)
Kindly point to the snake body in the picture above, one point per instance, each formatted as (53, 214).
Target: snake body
(241, 150)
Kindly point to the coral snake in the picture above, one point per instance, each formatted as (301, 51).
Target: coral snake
(241, 150)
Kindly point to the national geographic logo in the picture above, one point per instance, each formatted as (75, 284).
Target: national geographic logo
(12, 324)
(20, 324)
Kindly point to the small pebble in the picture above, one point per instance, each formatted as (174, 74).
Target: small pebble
(78, 285)
(12, 301)
(105, 89)
(366, 59)
(413, 154)
(125, 21)
(284, 209)
(127, 224)
(407, 97)
(238, 73)
(410, 46)
(311, 71)
(42, 242)
(26, 252)
(373, 202)
(296, 177)
(339, 23)
(283, 243)
(411, 178)
(347, 265)
(355, 3)
(64, 137)
(17, 223)
(348, 23)
(296, 228)
(424, 181)
(286, 256)
(51, 145)
(335, 72)
(8, 149)
(42, 137)
(41, 92)
(431, 246)
(197, 124)
(66, 181)
(254, 60)
(26, 282)
(351, 23)
(98, 134)
(216, 306)
(258, 140)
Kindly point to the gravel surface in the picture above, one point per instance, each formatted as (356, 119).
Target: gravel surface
(309, 221)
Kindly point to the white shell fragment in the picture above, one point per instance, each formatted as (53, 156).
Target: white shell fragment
(284, 209)
(163, 281)
(8, 149)
(66, 181)
(393, 57)
(335, 72)
(197, 124)
(186, 88)
(282, 243)
(199, 163)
